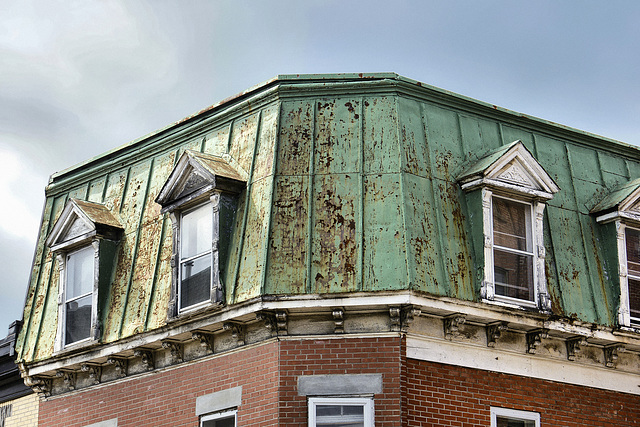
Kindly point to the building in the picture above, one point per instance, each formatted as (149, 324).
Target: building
(18, 403)
(338, 249)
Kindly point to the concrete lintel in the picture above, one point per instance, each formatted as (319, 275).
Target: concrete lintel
(329, 385)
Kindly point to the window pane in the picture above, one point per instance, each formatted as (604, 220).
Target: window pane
(196, 232)
(196, 281)
(78, 321)
(511, 422)
(634, 297)
(221, 422)
(510, 224)
(513, 275)
(632, 238)
(79, 270)
(340, 415)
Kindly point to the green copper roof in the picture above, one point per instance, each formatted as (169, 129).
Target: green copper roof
(352, 186)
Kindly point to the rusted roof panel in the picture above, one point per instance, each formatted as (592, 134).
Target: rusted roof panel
(351, 186)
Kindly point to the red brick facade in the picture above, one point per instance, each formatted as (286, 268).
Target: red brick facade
(415, 393)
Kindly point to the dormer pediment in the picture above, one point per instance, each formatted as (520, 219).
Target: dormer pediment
(511, 168)
(624, 202)
(80, 221)
(196, 174)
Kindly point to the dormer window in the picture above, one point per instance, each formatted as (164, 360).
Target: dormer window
(508, 188)
(84, 240)
(621, 210)
(201, 197)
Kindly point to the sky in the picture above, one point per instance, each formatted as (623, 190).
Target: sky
(78, 78)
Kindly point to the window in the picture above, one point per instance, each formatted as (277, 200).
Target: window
(195, 257)
(513, 256)
(632, 245)
(78, 295)
(201, 198)
(84, 240)
(619, 216)
(341, 412)
(507, 190)
(501, 417)
(222, 419)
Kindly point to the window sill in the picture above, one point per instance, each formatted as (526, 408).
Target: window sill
(512, 303)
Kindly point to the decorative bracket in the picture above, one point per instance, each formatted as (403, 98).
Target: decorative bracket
(611, 354)
(120, 365)
(95, 372)
(276, 322)
(338, 320)
(205, 338)
(452, 325)
(534, 339)
(39, 384)
(402, 317)
(68, 378)
(238, 331)
(494, 331)
(146, 356)
(177, 350)
(573, 346)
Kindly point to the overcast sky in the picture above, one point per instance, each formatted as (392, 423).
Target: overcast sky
(78, 78)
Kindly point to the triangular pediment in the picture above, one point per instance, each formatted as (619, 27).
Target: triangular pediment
(196, 174)
(513, 168)
(79, 221)
(623, 202)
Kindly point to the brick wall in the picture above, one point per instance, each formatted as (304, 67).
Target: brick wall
(24, 412)
(168, 398)
(341, 356)
(446, 395)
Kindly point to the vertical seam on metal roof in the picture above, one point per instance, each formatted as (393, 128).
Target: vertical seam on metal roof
(310, 198)
(403, 171)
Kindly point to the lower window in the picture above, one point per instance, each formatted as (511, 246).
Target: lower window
(340, 412)
(221, 419)
(501, 417)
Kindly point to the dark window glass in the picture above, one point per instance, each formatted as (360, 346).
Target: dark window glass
(220, 422)
(79, 294)
(512, 257)
(196, 281)
(512, 422)
(195, 256)
(78, 321)
(632, 238)
(340, 415)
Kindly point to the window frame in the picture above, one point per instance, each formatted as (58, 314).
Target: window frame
(624, 311)
(94, 294)
(540, 299)
(210, 252)
(513, 414)
(219, 415)
(366, 402)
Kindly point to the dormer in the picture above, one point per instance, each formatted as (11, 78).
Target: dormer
(201, 198)
(84, 240)
(510, 188)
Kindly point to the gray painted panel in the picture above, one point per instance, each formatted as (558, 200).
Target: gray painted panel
(219, 401)
(109, 423)
(325, 385)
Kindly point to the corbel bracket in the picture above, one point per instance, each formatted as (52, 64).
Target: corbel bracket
(534, 339)
(338, 320)
(146, 357)
(452, 325)
(120, 365)
(402, 317)
(39, 384)
(276, 321)
(94, 371)
(573, 346)
(494, 331)
(238, 331)
(611, 354)
(205, 338)
(176, 348)
(68, 378)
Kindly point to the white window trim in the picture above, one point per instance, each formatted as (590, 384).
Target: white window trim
(512, 413)
(219, 415)
(624, 310)
(62, 311)
(367, 403)
(541, 297)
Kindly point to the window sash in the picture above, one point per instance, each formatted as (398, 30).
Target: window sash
(221, 419)
(78, 308)
(345, 417)
(503, 417)
(196, 239)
